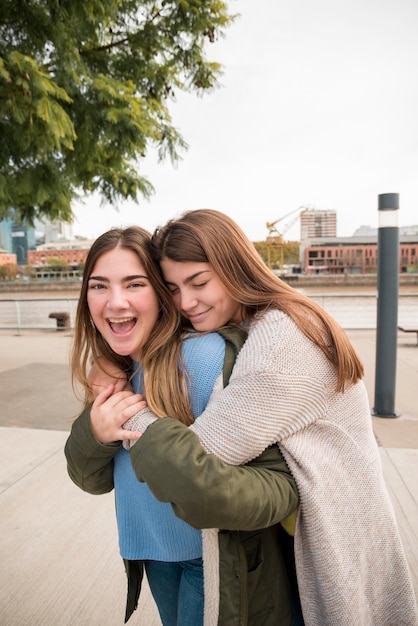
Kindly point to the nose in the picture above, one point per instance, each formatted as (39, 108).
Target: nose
(117, 299)
(187, 301)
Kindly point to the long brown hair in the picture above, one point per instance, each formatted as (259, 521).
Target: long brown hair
(209, 236)
(164, 384)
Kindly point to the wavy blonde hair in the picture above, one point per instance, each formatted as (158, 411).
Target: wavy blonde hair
(164, 385)
(209, 236)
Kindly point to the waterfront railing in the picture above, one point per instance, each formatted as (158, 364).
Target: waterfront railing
(33, 313)
(350, 310)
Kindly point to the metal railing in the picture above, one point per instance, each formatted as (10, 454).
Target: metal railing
(359, 311)
(33, 313)
(351, 310)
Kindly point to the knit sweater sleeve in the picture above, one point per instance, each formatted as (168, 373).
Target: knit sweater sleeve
(278, 386)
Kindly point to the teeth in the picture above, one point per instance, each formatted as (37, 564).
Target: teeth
(119, 320)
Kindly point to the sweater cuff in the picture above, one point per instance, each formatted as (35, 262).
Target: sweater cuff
(139, 423)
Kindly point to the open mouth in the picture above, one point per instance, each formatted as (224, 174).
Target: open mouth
(121, 326)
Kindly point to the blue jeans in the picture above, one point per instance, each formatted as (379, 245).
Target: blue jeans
(177, 589)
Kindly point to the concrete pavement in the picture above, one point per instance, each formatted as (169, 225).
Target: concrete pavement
(60, 560)
(60, 563)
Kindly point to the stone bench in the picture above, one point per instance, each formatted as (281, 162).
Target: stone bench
(63, 319)
(409, 329)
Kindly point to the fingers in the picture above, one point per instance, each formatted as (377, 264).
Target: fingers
(104, 395)
(114, 397)
(128, 407)
(128, 435)
(111, 410)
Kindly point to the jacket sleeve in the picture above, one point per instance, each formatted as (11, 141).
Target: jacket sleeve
(89, 462)
(204, 491)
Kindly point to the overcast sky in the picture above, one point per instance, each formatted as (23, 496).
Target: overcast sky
(317, 107)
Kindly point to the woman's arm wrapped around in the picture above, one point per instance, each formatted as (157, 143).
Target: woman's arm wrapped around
(206, 492)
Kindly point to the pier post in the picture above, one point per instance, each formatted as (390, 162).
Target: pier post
(387, 305)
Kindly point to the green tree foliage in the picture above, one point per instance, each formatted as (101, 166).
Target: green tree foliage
(8, 271)
(84, 92)
(57, 265)
(290, 253)
(29, 271)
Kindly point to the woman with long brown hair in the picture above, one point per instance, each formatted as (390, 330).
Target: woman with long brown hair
(297, 383)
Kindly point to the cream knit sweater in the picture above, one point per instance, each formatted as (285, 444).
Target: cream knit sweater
(350, 562)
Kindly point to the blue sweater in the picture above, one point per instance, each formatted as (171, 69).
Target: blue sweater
(148, 529)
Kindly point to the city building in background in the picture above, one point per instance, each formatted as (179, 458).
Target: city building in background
(320, 255)
(17, 238)
(357, 254)
(49, 232)
(317, 223)
(7, 258)
(72, 252)
(320, 250)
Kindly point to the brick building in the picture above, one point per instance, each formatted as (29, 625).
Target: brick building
(353, 255)
(7, 258)
(72, 252)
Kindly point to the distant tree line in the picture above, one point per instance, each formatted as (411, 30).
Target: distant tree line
(55, 268)
(290, 253)
(59, 268)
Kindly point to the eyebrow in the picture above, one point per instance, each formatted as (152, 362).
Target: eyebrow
(126, 279)
(189, 278)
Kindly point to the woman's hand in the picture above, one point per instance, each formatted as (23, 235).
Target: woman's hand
(110, 410)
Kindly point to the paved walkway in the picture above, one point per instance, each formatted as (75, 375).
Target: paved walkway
(60, 563)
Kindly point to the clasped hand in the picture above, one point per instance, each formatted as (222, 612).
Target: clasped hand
(113, 406)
